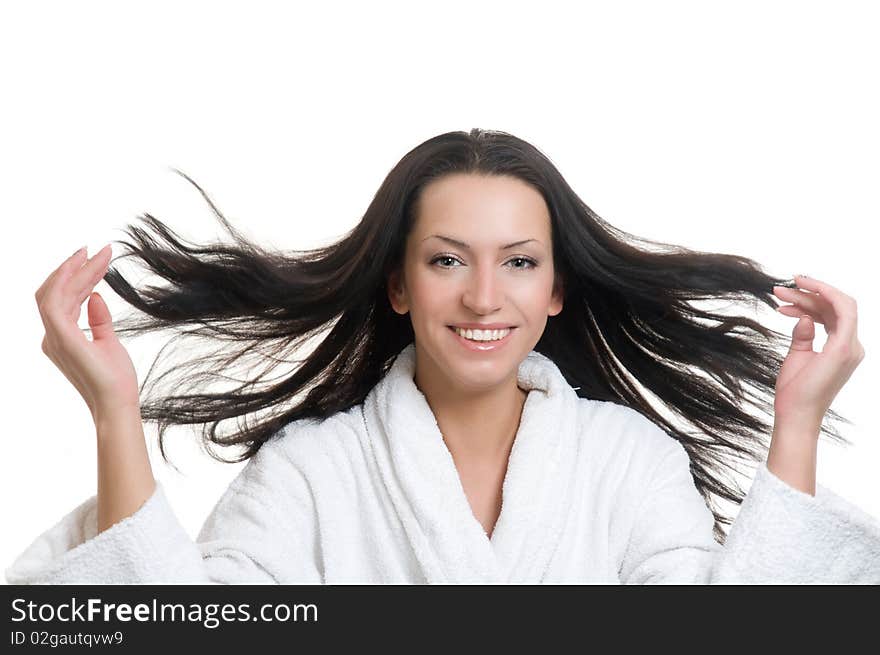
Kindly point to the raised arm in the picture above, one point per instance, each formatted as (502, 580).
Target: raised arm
(127, 532)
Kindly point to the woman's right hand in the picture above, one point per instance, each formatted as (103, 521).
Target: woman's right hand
(100, 369)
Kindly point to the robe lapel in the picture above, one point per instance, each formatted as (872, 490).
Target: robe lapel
(423, 483)
(539, 485)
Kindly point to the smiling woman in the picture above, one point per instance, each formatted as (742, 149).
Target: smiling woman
(470, 380)
(470, 412)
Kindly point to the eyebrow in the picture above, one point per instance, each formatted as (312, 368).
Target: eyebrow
(462, 244)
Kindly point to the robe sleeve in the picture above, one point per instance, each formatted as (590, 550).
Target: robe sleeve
(254, 535)
(781, 535)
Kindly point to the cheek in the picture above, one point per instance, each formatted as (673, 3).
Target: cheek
(536, 291)
(430, 294)
(536, 301)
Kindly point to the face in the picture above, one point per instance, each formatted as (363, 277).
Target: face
(478, 279)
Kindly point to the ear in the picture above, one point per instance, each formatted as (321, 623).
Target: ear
(558, 295)
(397, 292)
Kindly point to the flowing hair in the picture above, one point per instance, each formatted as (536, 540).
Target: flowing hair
(628, 324)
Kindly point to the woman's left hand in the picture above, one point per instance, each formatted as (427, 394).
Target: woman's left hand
(808, 381)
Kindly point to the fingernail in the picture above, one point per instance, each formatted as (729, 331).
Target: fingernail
(78, 251)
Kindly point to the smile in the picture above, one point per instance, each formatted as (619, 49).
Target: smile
(482, 340)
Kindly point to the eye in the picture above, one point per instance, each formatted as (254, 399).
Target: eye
(531, 263)
(440, 257)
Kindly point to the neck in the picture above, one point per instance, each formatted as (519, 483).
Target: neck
(478, 427)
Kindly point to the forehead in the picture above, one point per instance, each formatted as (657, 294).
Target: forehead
(467, 201)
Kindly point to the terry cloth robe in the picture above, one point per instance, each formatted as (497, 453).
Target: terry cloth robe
(594, 493)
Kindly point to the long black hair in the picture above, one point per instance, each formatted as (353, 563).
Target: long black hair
(628, 325)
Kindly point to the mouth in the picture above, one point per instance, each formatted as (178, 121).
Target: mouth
(481, 346)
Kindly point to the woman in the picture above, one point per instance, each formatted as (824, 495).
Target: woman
(471, 415)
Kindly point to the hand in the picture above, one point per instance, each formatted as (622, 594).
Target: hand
(808, 381)
(101, 369)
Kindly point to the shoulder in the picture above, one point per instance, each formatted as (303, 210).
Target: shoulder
(624, 443)
(305, 442)
(615, 425)
(628, 457)
(299, 455)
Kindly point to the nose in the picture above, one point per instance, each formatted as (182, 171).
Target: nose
(483, 293)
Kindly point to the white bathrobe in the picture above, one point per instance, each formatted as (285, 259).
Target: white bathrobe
(594, 493)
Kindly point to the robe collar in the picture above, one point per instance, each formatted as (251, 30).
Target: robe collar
(423, 483)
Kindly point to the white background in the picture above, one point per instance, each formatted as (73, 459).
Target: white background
(747, 128)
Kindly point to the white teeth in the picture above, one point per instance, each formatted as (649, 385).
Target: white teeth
(483, 335)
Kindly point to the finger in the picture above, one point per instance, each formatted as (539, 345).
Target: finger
(798, 312)
(843, 332)
(803, 334)
(81, 283)
(817, 306)
(790, 310)
(59, 309)
(68, 265)
(100, 320)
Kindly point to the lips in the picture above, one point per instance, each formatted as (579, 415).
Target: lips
(481, 346)
(455, 327)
